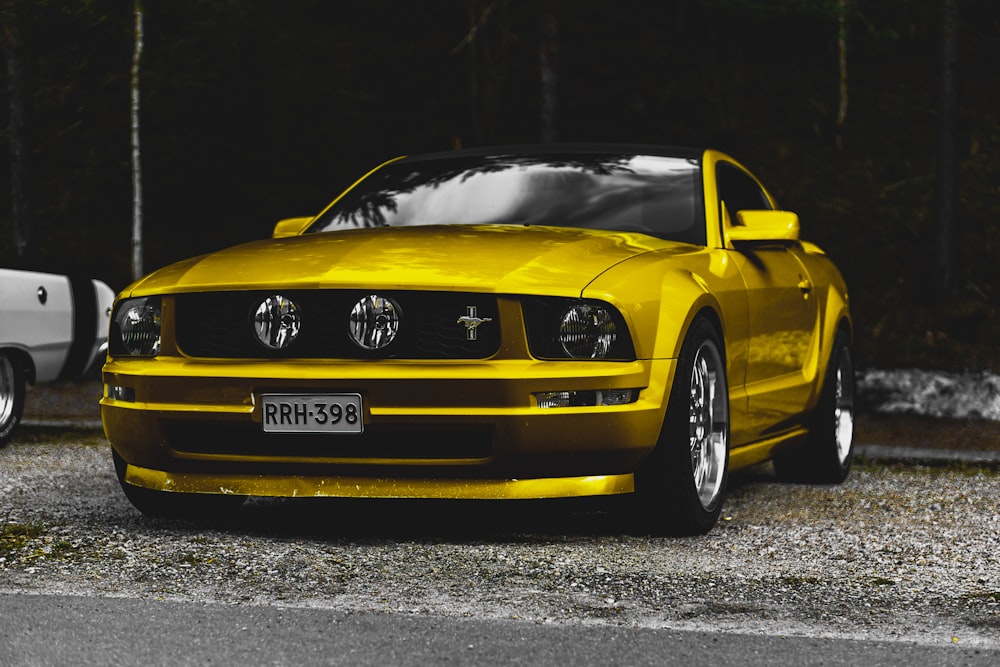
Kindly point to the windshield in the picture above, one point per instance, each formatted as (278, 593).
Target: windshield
(655, 195)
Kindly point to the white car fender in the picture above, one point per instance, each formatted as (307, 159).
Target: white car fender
(61, 323)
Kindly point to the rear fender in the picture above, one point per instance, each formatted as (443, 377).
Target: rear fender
(22, 360)
(834, 316)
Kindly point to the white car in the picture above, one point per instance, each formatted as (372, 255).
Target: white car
(52, 327)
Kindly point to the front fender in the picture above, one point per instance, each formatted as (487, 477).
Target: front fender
(660, 297)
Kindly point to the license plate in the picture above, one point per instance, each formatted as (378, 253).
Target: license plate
(311, 413)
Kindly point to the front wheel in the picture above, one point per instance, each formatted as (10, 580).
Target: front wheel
(682, 485)
(11, 397)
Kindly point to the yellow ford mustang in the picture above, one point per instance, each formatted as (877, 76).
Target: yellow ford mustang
(501, 323)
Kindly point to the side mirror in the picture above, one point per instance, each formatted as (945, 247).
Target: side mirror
(764, 226)
(290, 227)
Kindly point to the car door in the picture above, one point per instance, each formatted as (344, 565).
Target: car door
(782, 313)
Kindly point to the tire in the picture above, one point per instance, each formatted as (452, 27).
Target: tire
(825, 458)
(682, 485)
(11, 397)
(173, 505)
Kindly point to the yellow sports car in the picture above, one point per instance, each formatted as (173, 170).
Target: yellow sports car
(504, 323)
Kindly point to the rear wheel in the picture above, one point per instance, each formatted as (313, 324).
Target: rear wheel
(11, 397)
(172, 505)
(826, 457)
(682, 485)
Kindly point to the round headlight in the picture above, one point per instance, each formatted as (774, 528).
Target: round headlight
(374, 322)
(587, 331)
(276, 322)
(139, 324)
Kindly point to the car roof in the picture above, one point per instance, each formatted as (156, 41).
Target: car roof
(564, 149)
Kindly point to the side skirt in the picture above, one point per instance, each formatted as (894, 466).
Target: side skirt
(758, 452)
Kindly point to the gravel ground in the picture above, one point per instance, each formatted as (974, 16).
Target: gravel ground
(895, 553)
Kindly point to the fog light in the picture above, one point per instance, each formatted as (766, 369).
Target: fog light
(566, 399)
(121, 393)
(375, 322)
(277, 322)
(553, 399)
(577, 399)
(616, 396)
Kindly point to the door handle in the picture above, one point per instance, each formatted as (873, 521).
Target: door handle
(805, 286)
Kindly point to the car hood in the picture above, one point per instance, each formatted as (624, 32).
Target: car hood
(501, 259)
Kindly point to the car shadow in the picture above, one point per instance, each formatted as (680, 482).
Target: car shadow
(431, 520)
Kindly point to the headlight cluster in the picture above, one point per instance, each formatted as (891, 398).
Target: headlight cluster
(576, 329)
(135, 328)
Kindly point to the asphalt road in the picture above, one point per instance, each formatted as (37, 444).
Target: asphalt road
(67, 630)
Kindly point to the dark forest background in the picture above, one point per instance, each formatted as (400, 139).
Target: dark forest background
(253, 111)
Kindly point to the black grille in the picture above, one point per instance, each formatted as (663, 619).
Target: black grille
(377, 441)
(219, 325)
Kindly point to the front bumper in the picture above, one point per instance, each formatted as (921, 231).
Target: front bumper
(431, 430)
(375, 487)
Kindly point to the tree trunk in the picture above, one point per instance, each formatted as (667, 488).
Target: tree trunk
(489, 45)
(946, 194)
(842, 52)
(22, 210)
(137, 270)
(548, 51)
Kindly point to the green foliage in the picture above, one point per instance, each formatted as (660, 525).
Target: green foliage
(16, 536)
(28, 543)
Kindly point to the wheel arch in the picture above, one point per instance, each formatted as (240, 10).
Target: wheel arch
(836, 319)
(22, 360)
(711, 313)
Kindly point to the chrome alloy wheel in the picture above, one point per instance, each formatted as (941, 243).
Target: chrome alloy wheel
(8, 390)
(843, 407)
(709, 423)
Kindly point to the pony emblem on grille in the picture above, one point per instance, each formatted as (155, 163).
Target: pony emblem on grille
(472, 322)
